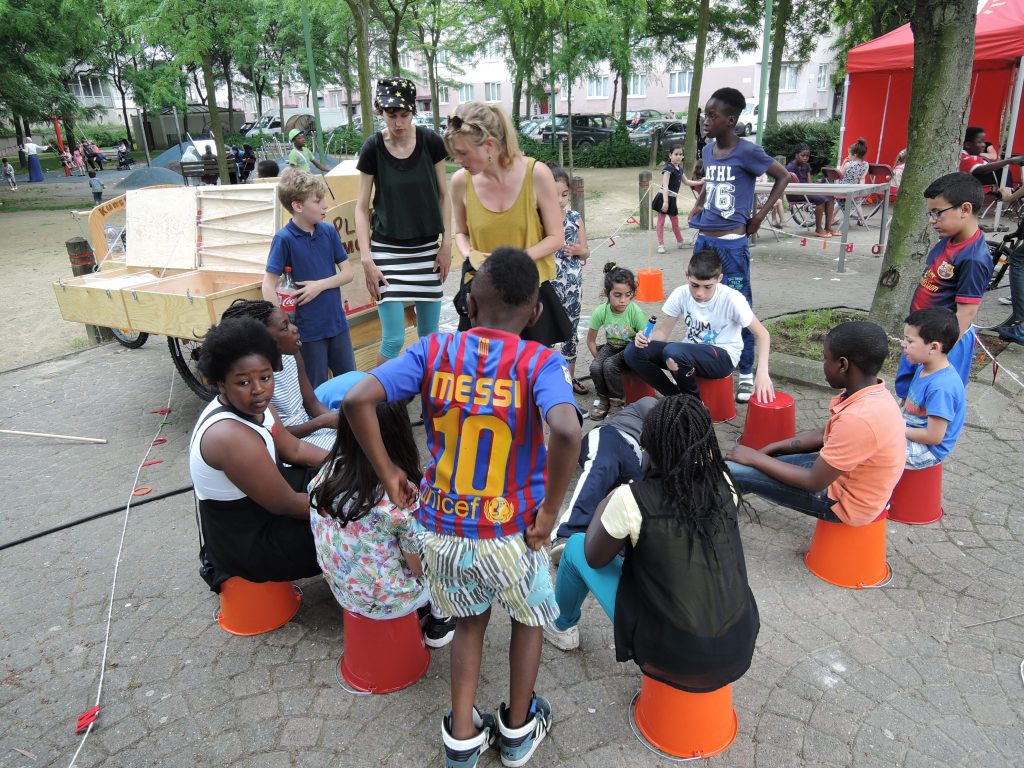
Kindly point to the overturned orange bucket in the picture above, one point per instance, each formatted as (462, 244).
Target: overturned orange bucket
(681, 724)
(650, 286)
(717, 396)
(769, 422)
(849, 556)
(251, 608)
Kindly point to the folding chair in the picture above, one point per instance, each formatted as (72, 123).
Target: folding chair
(801, 210)
(879, 174)
(834, 176)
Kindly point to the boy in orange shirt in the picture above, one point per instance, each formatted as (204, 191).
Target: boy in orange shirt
(846, 472)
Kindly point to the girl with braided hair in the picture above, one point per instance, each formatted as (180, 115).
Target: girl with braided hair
(678, 599)
(294, 399)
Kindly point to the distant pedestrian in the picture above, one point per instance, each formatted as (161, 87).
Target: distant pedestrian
(78, 162)
(97, 188)
(32, 150)
(8, 173)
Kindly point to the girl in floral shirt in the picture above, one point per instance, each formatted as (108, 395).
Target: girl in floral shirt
(366, 546)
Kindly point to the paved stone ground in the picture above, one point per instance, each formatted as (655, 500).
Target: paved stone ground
(884, 677)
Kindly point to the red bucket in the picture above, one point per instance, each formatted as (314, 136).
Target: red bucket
(718, 397)
(383, 655)
(917, 497)
(769, 422)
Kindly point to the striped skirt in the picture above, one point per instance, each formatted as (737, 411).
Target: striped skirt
(409, 270)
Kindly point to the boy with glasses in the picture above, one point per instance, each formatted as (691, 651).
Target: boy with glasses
(957, 270)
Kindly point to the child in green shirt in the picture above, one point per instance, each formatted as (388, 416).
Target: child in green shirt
(621, 320)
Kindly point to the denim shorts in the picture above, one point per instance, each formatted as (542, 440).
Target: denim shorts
(466, 576)
(919, 456)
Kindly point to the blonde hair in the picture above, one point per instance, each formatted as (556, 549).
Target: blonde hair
(297, 185)
(480, 121)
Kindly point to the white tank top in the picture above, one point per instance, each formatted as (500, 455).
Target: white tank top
(210, 483)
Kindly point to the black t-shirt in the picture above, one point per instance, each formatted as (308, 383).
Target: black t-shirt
(367, 162)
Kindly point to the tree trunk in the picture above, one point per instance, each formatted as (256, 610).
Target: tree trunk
(361, 15)
(69, 133)
(231, 101)
(435, 94)
(615, 93)
(943, 52)
(393, 54)
(280, 99)
(690, 144)
(517, 95)
(218, 130)
(124, 113)
(783, 11)
(19, 135)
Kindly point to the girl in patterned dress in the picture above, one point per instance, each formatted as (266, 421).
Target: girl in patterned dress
(569, 263)
(367, 546)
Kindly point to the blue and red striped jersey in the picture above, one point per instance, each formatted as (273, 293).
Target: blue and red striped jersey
(485, 395)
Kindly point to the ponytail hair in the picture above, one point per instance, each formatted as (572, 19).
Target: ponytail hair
(482, 121)
(859, 148)
(613, 274)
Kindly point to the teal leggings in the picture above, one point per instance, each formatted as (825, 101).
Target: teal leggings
(392, 324)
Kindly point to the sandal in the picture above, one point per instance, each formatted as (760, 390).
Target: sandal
(579, 387)
(822, 233)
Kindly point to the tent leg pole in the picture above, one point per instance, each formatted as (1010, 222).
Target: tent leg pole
(885, 112)
(1011, 135)
(842, 121)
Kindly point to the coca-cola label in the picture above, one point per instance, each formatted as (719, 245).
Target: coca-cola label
(288, 301)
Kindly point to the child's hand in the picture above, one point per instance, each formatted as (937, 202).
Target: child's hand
(640, 341)
(754, 224)
(664, 207)
(764, 390)
(539, 532)
(400, 488)
(694, 212)
(742, 454)
(308, 290)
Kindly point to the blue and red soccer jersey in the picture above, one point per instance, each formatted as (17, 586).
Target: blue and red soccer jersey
(955, 273)
(485, 395)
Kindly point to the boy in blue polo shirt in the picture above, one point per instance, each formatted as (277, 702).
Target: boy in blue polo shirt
(724, 213)
(490, 493)
(936, 401)
(312, 248)
(958, 268)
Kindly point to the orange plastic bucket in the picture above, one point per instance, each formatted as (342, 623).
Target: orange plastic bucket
(718, 398)
(649, 287)
(682, 724)
(634, 388)
(251, 608)
(849, 556)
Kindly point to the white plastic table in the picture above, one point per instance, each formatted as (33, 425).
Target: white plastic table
(845, 191)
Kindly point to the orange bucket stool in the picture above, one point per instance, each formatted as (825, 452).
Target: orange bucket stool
(849, 556)
(250, 608)
(382, 655)
(650, 287)
(768, 422)
(718, 398)
(679, 724)
(917, 498)
(634, 388)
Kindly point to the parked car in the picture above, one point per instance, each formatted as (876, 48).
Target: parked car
(267, 125)
(245, 127)
(533, 128)
(637, 117)
(747, 121)
(587, 129)
(667, 131)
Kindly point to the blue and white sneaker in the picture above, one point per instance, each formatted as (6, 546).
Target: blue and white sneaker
(519, 744)
(464, 753)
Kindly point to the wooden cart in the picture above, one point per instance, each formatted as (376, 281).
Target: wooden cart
(189, 253)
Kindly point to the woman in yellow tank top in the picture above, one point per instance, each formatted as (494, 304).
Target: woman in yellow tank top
(501, 197)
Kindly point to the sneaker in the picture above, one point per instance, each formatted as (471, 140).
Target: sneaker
(616, 404)
(680, 245)
(466, 752)
(1005, 300)
(562, 639)
(661, 249)
(439, 631)
(557, 548)
(599, 409)
(1013, 332)
(745, 388)
(519, 744)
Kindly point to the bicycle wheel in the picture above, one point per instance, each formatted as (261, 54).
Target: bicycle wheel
(802, 213)
(130, 339)
(185, 354)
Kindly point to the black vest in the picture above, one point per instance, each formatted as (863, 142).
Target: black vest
(684, 611)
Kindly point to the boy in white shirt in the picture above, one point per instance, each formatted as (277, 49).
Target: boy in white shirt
(714, 316)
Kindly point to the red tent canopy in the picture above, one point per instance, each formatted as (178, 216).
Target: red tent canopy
(880, 77)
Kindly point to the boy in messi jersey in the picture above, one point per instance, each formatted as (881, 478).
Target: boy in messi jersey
(491, 491)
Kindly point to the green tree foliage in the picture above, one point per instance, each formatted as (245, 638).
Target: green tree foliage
(822, 136)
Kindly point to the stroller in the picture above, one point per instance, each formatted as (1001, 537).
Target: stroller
(124, 160)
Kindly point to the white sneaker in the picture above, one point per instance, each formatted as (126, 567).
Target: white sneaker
(562, 639)
(661, 249)
(680, 244)
(1005, 300)
(745, 388)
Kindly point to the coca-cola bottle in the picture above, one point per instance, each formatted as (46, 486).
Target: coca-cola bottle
(286, 290)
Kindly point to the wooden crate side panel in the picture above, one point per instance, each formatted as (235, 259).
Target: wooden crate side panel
(161, 228)
(95, 306)
(236, 227)
(169, 314)
(366, 355)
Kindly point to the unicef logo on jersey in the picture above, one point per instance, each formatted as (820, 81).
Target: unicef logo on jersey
(722, 196)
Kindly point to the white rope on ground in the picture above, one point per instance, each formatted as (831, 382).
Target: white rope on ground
(997, 366)
(609, 240)
(117, 563)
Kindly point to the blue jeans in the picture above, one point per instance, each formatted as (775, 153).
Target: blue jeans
(735, 256)
(813, 503)
(392, 324)
(608, 460)
(1017, 283)
(704, 360)
(576, 578)
(334, 353)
